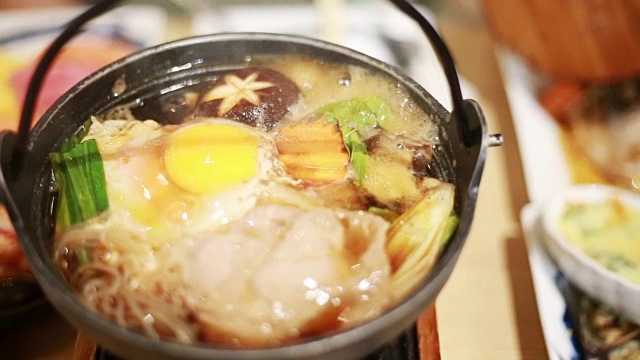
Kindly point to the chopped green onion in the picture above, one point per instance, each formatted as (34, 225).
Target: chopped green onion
(83, 256)
(79, 173)
(362, 113)
(384, 213)
(355, 117)
(358, 155)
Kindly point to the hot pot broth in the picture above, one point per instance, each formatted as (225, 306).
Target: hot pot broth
(264, 205)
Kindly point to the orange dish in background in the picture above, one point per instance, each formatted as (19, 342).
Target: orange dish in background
(586, 59)
(600, 130)
(562, 100)
(586, 40)
(77, 60)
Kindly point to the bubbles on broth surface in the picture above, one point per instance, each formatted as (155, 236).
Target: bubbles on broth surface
(259, 206)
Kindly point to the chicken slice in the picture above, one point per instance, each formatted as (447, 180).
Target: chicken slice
(282, 272)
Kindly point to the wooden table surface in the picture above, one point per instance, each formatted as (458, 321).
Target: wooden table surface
(487, 310)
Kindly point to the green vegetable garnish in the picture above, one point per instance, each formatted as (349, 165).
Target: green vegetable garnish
(385, 213)
(356, 117)
(417, 237)
(449, 228)
(83, 256)
(358, 154)
(361, 113)
(79, 173)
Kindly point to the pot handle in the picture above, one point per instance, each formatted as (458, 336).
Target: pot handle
(40, 72)
(448, 66)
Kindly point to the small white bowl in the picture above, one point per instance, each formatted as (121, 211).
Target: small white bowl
(582, 270)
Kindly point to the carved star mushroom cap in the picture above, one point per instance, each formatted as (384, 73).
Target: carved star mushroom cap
(234, 89)
(256, 96)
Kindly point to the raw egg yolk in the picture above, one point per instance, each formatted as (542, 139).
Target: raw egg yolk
(209, 158)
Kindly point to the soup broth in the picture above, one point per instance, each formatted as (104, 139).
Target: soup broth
(274, 201)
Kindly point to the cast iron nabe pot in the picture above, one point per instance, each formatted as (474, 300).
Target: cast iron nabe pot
(26, 187)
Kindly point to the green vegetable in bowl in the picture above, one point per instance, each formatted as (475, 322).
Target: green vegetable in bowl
(80, 177)
(417, 237)
(607, 231)
(357, 117)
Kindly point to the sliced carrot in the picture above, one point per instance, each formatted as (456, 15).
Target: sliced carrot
(313, 150)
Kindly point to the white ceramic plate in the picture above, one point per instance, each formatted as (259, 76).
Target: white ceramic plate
(582, 270)
(548, 282)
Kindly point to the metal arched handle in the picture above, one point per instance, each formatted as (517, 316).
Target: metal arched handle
(448, 66)
(40, 72)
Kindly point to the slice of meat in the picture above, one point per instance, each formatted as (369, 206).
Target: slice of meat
(258, 97)
(283, 272)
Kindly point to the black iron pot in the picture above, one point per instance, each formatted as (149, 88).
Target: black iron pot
(25, 182)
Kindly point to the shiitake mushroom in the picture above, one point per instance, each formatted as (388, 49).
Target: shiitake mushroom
(255, 96)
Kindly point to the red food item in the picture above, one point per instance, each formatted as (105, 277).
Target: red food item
(562, 99)
(12, 261)
(75, 62)
(258, 97)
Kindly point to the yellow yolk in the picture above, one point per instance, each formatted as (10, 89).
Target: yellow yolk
(208, 158)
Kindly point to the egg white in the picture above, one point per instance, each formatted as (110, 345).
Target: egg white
(143, 197)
